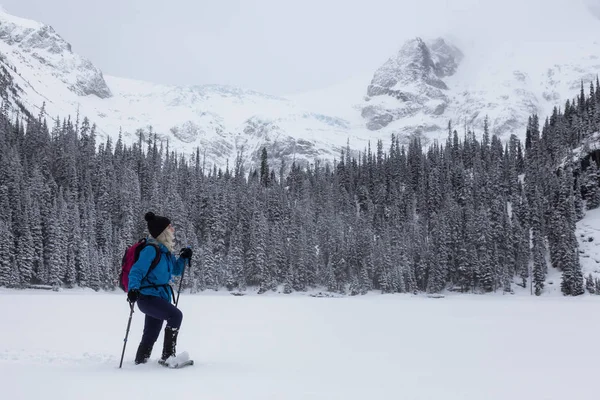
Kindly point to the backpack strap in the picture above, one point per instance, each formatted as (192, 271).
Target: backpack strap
(156, 258)
(152, 266)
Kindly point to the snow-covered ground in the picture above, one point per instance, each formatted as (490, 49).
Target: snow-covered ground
(68, 345)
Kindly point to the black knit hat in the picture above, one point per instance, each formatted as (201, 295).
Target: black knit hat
(156, 224)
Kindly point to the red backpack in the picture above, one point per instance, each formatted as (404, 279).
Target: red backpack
(132, 253)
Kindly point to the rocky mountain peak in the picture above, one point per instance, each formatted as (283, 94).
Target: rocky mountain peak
(446, 57)
(412, 80)
(41, 48)
(416, 62)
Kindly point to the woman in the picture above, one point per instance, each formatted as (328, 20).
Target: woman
(151, 290)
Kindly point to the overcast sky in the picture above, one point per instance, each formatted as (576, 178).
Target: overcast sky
(276, 46)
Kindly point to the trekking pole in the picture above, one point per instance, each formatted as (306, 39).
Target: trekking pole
(126, 334)
(181, 281)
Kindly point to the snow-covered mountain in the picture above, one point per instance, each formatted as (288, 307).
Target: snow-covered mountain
(428, 84)
(222, 120)
(36, 49)
(418, 90)
(431, 82)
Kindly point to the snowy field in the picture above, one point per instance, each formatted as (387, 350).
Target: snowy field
(68, 345)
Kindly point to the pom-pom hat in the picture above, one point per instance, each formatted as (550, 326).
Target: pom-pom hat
(156, 224)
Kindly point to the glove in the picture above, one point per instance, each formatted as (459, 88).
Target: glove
(185, 253)
(133, 295)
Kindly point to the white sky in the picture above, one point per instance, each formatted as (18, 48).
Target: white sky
(281, 46)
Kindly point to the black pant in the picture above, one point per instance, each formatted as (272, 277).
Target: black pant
(157, 310)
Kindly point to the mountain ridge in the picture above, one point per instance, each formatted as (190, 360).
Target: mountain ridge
(426, 84)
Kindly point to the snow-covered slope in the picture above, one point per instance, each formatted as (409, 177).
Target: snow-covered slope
(223, 120)
(588, 236)
(418, 90)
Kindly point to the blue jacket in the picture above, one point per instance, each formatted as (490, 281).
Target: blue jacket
(167, 267)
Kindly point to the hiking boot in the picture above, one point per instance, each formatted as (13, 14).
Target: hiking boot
(169, 344)
(143, 353)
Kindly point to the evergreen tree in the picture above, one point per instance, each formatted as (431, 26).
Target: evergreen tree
(53, 249)
(470, 213)
(35, 228)
(539, 264)
(25, 255)
(590, 284)
(264, 167)
(210, 271)
(7, 260)
(592, 186)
